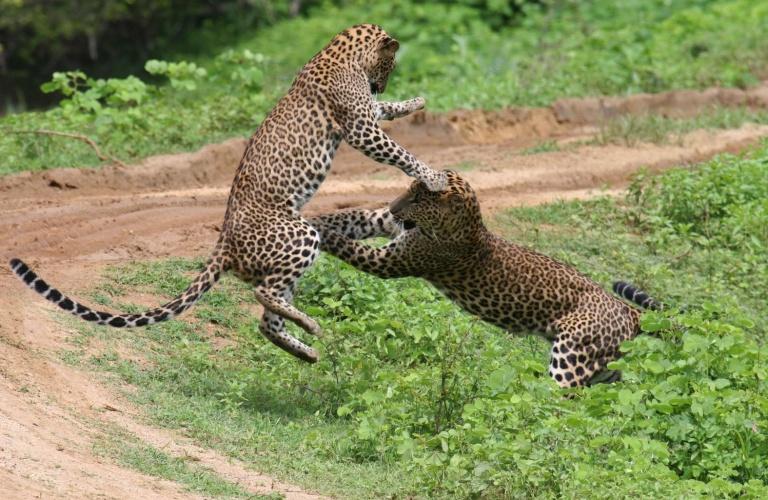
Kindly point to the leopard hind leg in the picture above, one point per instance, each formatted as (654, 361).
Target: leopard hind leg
(581, 352)
(273, 328)
(287, 263)
(279, 302)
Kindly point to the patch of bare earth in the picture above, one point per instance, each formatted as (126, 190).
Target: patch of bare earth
(69, 223)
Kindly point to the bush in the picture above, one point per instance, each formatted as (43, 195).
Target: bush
(459, 54)
(411, 396)
(689, 416)
(720, 198)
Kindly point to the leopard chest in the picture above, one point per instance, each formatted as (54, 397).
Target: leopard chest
(310, 167)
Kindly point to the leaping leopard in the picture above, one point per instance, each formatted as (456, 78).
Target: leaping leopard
(441, 237)
(264, 239)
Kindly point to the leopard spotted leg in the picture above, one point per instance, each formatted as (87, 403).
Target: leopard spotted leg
(389, 261)
(576, 358)
(366, 136)
(361, 131)
(275, 302)
(385, 110)
(274, 274)
(569, 366)
(358, 224)
(273, 328)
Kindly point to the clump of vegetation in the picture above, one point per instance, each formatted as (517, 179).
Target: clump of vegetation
(629, 130)
(129, 117)
(456, 54)
(548, 146)
(414, 397)
(129, 451)
(114, 38)
(721, 204)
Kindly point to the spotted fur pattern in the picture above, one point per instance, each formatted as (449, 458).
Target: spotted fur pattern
(441, 238)
(264, 239)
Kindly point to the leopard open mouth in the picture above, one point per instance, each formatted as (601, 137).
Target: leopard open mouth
(374, 88)
(408, 225)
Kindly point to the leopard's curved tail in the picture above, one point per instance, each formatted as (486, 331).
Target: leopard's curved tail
(204, 281)
(634, 294)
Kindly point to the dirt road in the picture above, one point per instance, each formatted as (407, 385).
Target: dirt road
(70, 223)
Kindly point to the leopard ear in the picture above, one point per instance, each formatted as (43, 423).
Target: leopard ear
(389, 45)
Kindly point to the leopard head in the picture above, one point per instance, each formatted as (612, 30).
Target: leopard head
(383, 64)
(373, 48)
(451, 214)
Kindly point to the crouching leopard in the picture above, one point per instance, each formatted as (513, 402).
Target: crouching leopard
(264, 240)
(441, 237)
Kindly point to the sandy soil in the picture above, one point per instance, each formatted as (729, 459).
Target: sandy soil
(69, 223)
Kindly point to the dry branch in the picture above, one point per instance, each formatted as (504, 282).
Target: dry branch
(80, 137)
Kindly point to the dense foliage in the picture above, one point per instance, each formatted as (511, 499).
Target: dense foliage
(114, 37)
(412, 396)
(460, 54)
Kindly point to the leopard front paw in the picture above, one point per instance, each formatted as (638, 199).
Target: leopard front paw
(417, 103)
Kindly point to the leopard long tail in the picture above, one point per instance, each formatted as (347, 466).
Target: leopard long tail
(202, 283)
(634, 294)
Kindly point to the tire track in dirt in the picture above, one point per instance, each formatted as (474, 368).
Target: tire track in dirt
(99, 225)
(70, 223)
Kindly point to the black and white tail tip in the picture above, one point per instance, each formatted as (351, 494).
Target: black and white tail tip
(634, 294)
(29, 277)
(51, 294)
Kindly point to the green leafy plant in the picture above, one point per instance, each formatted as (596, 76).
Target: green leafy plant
(459, 54)
(182, 75)
(412, 397)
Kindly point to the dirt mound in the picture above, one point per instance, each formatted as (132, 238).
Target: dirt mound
(71, 222)
(214, 165)
(676, 104)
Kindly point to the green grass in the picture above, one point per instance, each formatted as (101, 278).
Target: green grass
(413, 397)
(548, 146)
(231, 397)
(630, 130)
(449, 55)
(129, 451)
